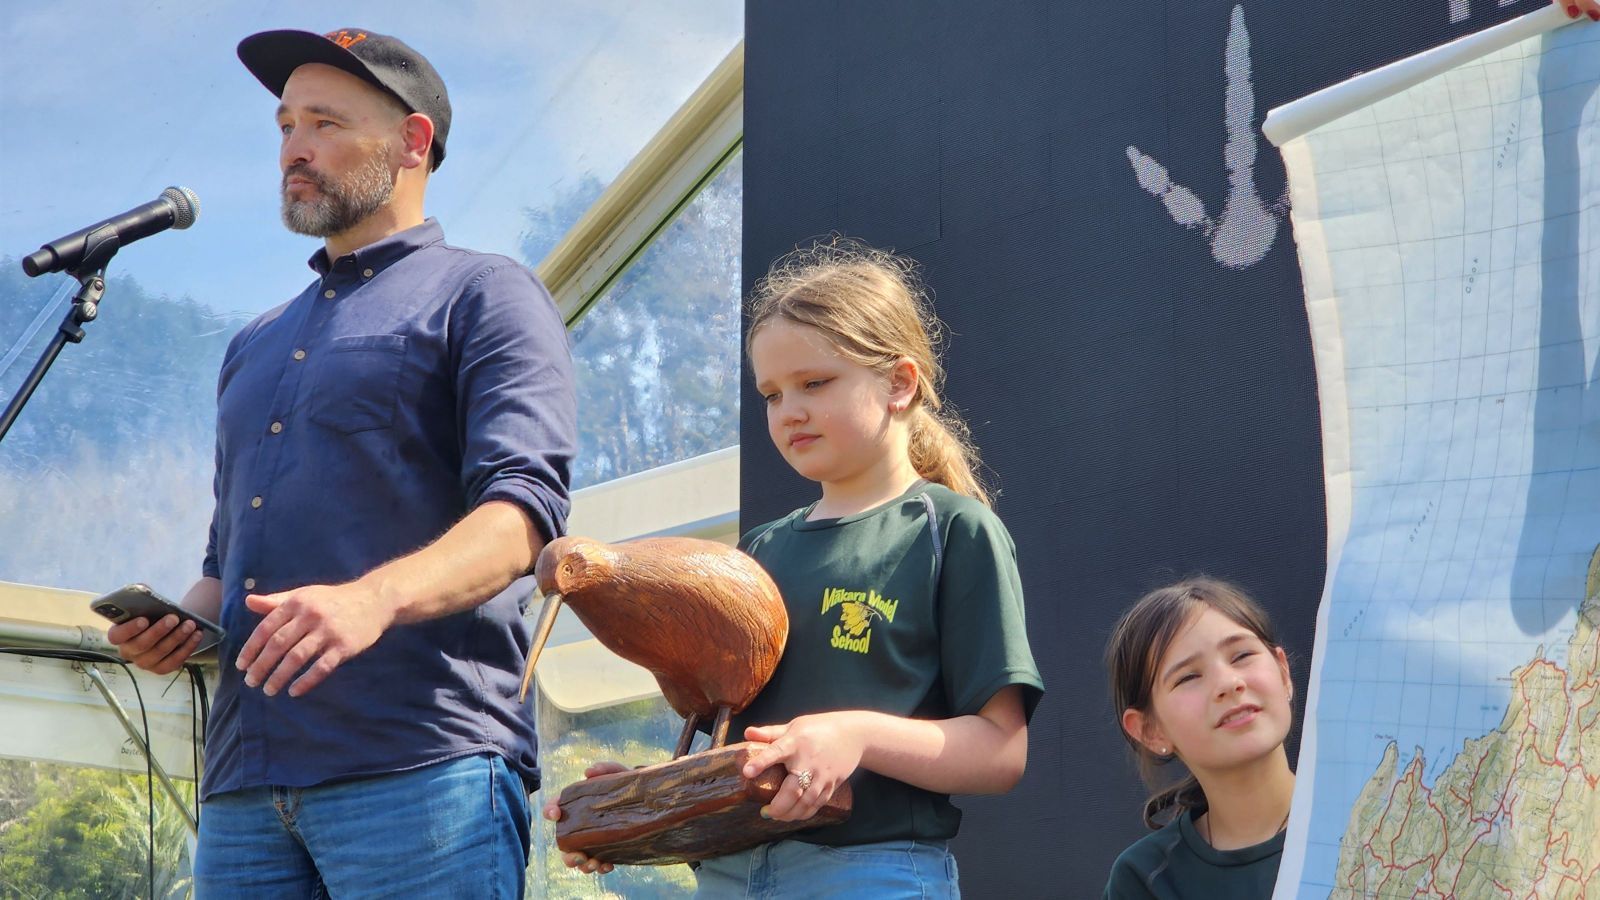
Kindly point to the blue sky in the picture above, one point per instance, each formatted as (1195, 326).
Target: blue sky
(107, 103)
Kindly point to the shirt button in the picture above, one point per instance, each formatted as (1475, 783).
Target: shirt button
(277, 427)
(249, 584)
(328, 293)
(255, 502)
(366, 273)
(299, 355)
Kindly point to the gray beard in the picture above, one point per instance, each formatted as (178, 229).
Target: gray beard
(339, 205)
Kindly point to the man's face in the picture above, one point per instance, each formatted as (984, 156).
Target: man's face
(337, 156)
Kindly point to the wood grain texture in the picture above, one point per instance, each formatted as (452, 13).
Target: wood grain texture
(692, 808)
(704, 618)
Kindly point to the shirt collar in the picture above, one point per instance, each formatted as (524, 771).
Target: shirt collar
(381, 254)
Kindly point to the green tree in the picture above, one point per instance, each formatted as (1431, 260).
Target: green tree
(85, 833)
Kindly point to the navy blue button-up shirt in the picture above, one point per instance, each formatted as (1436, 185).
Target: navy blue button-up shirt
(356, 424)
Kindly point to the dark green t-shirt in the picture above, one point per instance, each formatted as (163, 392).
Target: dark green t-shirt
(913, 608)
(1176, 863)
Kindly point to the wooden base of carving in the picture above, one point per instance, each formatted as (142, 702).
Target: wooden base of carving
(692, 808)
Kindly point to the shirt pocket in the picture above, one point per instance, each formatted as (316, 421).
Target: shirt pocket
(359, 383)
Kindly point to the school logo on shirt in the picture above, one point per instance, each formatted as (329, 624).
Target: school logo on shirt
(857, 611)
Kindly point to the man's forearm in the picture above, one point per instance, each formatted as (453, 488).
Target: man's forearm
(205, 599)
(488, 549)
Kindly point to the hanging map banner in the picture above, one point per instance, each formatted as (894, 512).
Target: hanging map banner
(1446, 211)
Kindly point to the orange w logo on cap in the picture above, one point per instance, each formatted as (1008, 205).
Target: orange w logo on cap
(345, 38)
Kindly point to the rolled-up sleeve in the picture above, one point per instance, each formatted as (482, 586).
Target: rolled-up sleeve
(516, 396)
(211, 566)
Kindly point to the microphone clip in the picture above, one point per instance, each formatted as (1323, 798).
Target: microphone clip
(91, 275)
(99, 246)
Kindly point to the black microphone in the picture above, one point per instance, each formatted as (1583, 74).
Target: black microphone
(177, 207)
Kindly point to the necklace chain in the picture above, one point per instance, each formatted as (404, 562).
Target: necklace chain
(1207, 832)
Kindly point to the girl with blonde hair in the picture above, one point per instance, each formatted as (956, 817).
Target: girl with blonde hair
(907, 671)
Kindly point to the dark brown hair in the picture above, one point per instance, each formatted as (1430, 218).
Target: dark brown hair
(1133, 656)
(872, 306)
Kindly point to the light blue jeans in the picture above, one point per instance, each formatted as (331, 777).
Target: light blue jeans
(795, 869)
(453, 829)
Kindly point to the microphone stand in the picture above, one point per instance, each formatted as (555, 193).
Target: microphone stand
(91, 274)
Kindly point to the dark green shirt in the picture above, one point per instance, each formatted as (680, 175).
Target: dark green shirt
(913, 608)
(1176, 863)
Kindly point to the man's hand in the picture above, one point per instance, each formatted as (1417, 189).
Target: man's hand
(161, 648)
(319, 626)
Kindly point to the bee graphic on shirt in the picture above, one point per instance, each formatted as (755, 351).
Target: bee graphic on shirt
(858, 610)
(855, 618)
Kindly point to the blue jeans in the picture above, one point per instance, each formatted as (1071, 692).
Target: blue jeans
(795, 869)
(453, 829)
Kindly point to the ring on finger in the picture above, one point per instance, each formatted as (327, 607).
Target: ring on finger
(803, 778)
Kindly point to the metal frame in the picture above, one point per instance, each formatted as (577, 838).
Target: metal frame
(670, 170)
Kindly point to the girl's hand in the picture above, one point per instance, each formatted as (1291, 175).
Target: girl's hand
(824, 745)
(1576, 8)
(552, 811)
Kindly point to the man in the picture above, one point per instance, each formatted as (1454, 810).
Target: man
(393, 448)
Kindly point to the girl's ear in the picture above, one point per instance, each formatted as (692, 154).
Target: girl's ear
(1283, 669)
(903, 384)
(1146, 732)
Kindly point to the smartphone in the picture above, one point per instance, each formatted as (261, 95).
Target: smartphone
(139, 601)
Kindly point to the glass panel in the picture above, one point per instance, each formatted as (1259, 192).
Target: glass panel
(634, 734)
(658, 381)
(68, 832)
(546, 95)
(658, 355)
(106, 478)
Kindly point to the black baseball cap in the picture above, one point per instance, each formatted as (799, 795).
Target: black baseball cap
(382, 61)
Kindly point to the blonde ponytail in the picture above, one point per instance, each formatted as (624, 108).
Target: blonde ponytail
(942, 452)
(872, 305)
